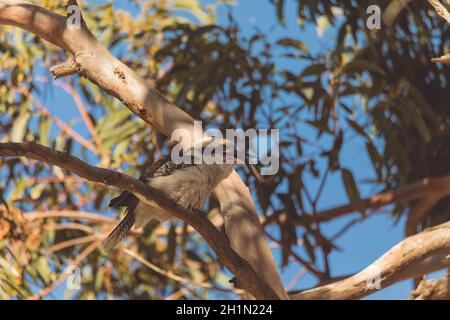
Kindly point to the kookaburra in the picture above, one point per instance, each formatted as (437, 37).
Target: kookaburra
(189, 185)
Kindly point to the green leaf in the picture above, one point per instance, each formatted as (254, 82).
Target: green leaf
(413, 114)
(44, 131)
(194, 7)
(315, 69)
(19, 128)
(99, 279)
(352, 190)
(280, 11)
(309, 248)
(355, 126)
(376, 159)
(293, 43)
(423, 105)
(43, 269)
(19, 189)
(360, 65)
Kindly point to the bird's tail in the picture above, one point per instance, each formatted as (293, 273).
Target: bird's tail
(120, 232)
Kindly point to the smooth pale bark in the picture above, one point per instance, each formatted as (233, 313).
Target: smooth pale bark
(441, 10)
(415, 256)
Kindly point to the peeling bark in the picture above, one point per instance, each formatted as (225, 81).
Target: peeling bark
(433, 289)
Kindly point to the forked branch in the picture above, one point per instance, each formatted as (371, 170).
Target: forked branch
(415, 256)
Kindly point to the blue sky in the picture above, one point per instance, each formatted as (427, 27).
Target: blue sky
(369, 240)
(365, 242)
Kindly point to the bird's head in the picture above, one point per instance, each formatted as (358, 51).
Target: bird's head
(226, 154)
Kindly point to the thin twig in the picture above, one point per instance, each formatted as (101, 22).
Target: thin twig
(403, 194)
(299, 276)
(76, 215)
(173, 276)
(69, 89)
(70, 243)
(76, 262)
(63, 126)
(69, 226)
(297, 258)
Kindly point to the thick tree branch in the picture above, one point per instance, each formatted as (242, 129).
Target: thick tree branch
(418, 213)
(440, 9)
(243, 271)
(415, 256)
(97, 64)
(433, 289)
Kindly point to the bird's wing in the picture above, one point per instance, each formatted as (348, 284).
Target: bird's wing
(126, 199)
(160, 168)
(163, 169)
(153, 169)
